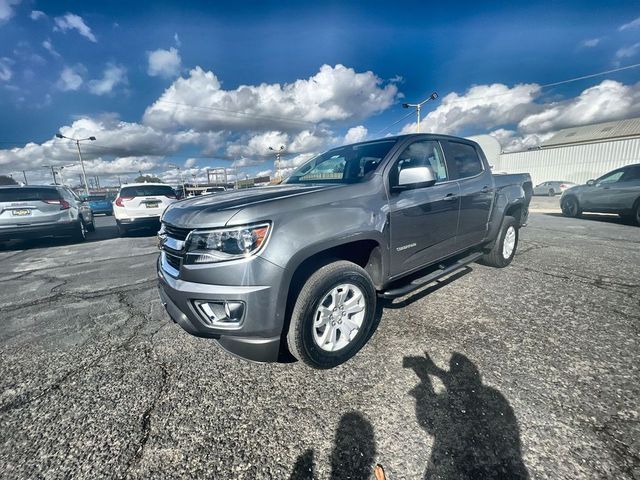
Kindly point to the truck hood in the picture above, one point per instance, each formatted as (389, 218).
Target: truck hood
(216, 210)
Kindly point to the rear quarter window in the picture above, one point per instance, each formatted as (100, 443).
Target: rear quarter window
(28, 194)
(464, 158)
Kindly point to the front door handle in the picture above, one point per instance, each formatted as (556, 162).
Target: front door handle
(485, 189)
(449, 197)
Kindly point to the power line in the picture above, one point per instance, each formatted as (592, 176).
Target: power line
(540, 87)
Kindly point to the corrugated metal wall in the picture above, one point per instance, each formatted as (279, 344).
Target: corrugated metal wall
(575, 163)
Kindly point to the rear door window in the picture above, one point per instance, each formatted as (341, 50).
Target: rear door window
(28, 194)
(147, 191)
(463, 159)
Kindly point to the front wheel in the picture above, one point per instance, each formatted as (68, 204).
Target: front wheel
(333, 316)
(570, 207)
(552, 192)
(504, 248)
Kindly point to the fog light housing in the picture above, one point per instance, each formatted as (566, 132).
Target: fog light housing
(220, 313)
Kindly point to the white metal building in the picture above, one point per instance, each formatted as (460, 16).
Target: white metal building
(574, 154)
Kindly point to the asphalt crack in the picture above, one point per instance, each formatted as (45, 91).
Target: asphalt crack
(29, 397)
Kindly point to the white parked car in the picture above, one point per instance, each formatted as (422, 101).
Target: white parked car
(552, 188)
(140, 205)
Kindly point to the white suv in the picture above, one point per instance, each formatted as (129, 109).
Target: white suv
(140, 205)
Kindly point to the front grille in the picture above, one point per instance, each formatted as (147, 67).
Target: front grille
(176, 232)
(173, 261)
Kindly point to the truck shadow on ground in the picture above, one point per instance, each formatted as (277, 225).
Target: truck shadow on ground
(414, 297)
(474, 429)
(599, 217)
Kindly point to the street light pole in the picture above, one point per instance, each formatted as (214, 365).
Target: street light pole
(418, 106)
(84, 174)
(278, 156)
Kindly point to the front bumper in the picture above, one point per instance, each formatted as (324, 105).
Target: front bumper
(257, 338)
(26, 232)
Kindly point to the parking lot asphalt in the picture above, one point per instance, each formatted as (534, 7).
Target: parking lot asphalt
(532, 368)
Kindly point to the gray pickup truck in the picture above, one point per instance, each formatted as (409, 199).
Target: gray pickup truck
(297, 269)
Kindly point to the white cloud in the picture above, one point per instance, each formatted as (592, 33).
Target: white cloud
(164, 63)
(609, 100)
(112, 76)
(119, 147)
(256, 147)
(5, 69)
(513, 141)
(356, 134)
(37, 15)
(71, 21)
(176, 38)
(497, 108)
(6, 9)
(332, 94)
(481, 107)
(264, 173)
(590, 42)
(48, 46)
(632, 24)
(71, 78)
(628, 51)
(190, 162)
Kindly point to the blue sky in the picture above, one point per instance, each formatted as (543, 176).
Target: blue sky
(99, 66)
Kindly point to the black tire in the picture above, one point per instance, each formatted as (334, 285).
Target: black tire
(570, 207)
(300, 336)
(122, 230)
(91, 227)
(80, 233)
(636, 216)
(496, 256)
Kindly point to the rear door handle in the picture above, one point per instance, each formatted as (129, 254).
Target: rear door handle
(449, 197)
(486, 189)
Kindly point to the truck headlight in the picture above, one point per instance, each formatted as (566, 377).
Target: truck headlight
(224, 244)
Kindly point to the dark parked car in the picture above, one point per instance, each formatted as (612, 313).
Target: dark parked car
(43, 211)
(614, 192)
(299, 267)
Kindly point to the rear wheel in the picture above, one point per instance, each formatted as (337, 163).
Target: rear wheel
(504, 248)
(570, 207)
(91, 227)
(80, 233)
(122, 230)
(552, 192)
(333, 316)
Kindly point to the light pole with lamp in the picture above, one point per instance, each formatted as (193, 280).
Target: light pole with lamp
(417, 106)
(84, 174)
(278, 156)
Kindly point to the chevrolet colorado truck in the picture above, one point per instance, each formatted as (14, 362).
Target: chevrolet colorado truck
(297, 268)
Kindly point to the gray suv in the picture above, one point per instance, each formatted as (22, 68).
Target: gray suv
(36, 211)
(298, 268)
(614, 192)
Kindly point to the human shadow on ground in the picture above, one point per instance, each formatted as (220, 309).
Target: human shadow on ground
(474, 428)
(353, 455)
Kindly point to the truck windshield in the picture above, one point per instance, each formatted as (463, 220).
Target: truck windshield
(348, 164)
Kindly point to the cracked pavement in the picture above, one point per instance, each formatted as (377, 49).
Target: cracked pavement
(96, 382)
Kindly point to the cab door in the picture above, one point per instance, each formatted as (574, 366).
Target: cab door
(477, 191)
(423, 220)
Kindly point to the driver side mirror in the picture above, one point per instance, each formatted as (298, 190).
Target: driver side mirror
(591, 183)
(416, 177)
